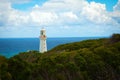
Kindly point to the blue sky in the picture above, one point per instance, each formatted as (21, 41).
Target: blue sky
(28, 5)
(109, 3)
(60, 18)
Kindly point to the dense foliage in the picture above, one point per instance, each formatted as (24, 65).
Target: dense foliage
(87, 60)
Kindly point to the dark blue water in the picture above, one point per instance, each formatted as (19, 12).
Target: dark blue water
(12, 46)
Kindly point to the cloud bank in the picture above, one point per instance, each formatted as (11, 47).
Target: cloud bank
(61, 13)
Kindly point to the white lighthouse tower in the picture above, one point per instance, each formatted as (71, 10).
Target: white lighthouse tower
(43, 45)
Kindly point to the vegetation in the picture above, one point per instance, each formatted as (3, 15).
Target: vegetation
(87, 60)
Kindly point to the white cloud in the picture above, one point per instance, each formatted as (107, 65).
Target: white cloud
(64, 5)
(67, 18)
(5, 8)
(115, 15)
(59, 13)
(117, 6)
(53, 12)
(43, 18)
(15, 1)
(17, 18)
(96, 13)
(70, 15)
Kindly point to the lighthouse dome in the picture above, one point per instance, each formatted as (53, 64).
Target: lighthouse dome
(42, 29)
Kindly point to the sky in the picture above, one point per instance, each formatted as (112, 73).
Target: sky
(60, 18)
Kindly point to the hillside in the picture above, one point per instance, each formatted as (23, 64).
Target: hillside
(86, 60)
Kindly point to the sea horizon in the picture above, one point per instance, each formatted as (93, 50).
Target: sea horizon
(59, 37)
(13, 46)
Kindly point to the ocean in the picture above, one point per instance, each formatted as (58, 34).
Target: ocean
(13, 46)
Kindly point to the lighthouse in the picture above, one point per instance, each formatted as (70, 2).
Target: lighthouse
(43, 45)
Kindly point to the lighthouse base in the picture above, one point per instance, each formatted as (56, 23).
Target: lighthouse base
(43, 46)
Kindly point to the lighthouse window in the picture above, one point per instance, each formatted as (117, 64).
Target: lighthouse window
(41, 32)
